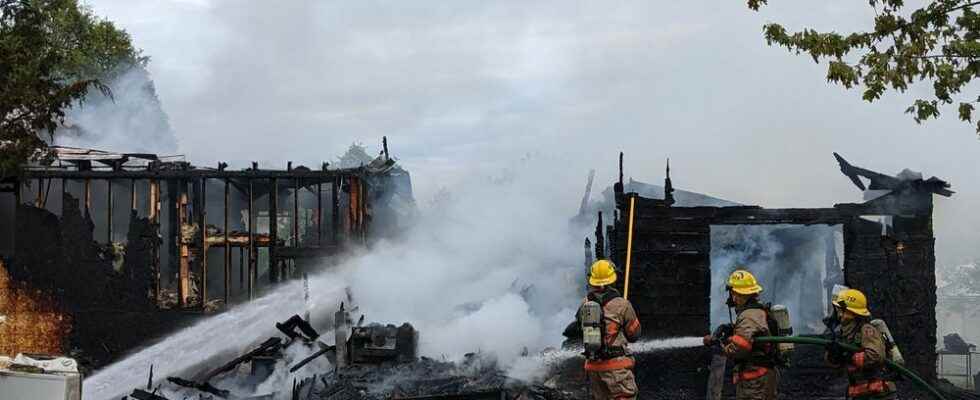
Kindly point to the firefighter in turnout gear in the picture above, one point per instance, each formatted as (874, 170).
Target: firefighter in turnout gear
(608, 323)
(866, 369)
(755, 374)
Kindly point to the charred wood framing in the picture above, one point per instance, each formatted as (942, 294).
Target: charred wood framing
(335, 209)
(184, 235)
(251, 240)
(202, 214)
(123, 283)
(296, 242)
(894, 264)
(319, 214)
(227, 247)
(108, 214)
(273, 230)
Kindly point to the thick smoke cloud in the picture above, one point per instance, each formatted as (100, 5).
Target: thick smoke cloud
(471, 83)
(131, 120)
(490, 269)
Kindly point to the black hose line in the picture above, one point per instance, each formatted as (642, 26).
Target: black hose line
(825, 342)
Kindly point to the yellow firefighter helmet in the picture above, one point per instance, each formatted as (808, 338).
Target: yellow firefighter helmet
(743, 282)
(602, 273)
(854, 301)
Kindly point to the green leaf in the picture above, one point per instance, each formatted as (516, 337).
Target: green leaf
(966, 112)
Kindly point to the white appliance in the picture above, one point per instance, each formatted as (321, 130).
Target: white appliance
(29, 386)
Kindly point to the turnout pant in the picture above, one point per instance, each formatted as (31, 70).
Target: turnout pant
(618, 384)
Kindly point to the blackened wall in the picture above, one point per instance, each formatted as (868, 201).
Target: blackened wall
(671, 270)
(897, 272)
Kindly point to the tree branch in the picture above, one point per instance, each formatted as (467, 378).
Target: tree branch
(971, 4)
(945, 56)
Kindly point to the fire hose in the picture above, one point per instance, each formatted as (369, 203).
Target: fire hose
(917, 380)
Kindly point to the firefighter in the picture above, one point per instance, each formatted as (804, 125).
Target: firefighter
(755, 374)
(866, 369)
(610, 369)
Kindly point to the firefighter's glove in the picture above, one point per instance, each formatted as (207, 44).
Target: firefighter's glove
(573, 331)
(837, 354)
(723, 332)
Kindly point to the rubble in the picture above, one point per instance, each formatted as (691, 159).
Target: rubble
(381, 363)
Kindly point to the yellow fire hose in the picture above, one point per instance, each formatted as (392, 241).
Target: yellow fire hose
(629, 249)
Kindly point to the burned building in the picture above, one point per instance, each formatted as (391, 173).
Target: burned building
(125, 247)
(888, 252)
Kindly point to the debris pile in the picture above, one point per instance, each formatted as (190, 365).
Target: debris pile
(374, 362)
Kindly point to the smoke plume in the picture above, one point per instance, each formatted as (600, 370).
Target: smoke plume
(489, 269)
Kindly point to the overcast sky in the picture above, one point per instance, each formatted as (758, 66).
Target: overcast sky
(467, 86)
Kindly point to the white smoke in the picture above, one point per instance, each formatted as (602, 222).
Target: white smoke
(132, 120)
(789, 262)
(491, 269)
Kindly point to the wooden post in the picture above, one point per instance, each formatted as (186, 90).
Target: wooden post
(295, 212)
(354, 208)
(251, 240)
(319, 214)
(132, 194)
(203, 223)
(273, 229)
(227, 247)
(362, 209)
(108, 218)
(88, 197)
(39, 198)
(183, 271)
(241, 268)
(64, 191)
(17, 200)
(335, 209)
(154, 213)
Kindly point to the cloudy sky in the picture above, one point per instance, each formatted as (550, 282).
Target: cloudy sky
(466, 87)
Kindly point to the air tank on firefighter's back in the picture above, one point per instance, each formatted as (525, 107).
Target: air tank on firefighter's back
(591, 317)
(780, 314)
(894, 353)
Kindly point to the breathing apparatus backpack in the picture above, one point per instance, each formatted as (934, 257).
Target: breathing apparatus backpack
(777, 317)
(593, 329)
(891, 349)
(778, 322)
